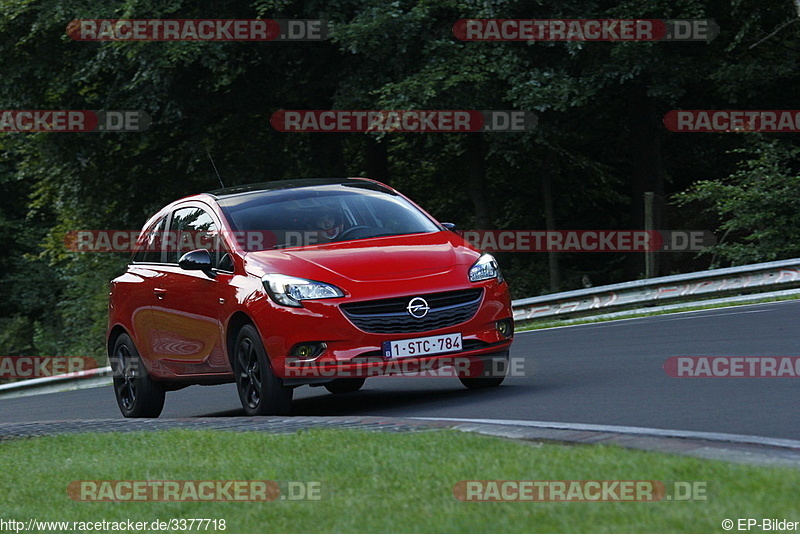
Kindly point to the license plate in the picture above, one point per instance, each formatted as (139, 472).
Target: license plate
(421, 346)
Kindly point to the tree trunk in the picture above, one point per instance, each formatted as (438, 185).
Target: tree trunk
(377, 160)
(476, 181)
(550, 225)
(647, 170)
(328, 155)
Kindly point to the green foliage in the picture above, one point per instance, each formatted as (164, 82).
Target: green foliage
(758, 205)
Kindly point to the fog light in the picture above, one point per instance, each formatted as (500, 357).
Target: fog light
(505, 327)
(307, 351)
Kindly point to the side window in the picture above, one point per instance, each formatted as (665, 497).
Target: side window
(193, 228)
(149, 244)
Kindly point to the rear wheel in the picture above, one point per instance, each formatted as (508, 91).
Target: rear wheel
(345, 385)
(492, 373)
(137, 394)
(261, 392)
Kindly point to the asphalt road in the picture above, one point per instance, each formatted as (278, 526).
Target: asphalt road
(608, 373)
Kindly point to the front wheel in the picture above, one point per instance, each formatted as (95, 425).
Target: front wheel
(137, 394)
(492, 373)
(261, 392)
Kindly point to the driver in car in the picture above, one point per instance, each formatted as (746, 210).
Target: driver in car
(328, 224)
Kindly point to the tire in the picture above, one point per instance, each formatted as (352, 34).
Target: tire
(261, 392)
(137, 394)
(345, 385)
(489, 377)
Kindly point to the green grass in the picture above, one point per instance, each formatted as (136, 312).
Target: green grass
(379, 482)
(542, 324)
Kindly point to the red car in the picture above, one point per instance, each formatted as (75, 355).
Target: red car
(310, 282)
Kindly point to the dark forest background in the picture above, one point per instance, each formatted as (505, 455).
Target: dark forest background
(599, 146)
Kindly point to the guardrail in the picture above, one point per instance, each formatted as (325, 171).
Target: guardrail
(755, 278)
(54, 381)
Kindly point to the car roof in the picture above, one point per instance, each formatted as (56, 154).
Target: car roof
(296, 184)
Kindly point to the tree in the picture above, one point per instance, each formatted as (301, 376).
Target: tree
(758, 206)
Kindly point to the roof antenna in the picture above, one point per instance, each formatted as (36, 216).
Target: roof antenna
(215, 169)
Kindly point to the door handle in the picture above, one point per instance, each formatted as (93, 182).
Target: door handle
(160, 293)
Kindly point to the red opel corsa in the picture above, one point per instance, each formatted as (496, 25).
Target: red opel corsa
(312, 282)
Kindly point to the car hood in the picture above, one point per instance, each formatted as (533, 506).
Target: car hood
(377, 259)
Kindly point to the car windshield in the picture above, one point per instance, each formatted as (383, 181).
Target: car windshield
(323, 214)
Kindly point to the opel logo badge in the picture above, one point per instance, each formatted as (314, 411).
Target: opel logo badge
(418, 308)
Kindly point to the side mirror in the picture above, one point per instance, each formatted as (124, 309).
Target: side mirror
(197, 260)
(453, 228)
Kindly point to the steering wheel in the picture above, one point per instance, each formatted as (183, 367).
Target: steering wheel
(349, 231)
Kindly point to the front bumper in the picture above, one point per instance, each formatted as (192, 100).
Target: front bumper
(350, 352)
(463, 365)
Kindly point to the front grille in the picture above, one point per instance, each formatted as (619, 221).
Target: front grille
(390, 316)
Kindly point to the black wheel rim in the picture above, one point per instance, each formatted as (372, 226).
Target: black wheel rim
(125, 380)
(249, 373)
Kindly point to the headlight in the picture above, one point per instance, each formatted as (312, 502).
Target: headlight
(485, 268)
(289, 291)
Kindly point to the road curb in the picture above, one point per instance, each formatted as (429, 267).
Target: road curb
(752, 450)
(735, 448)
